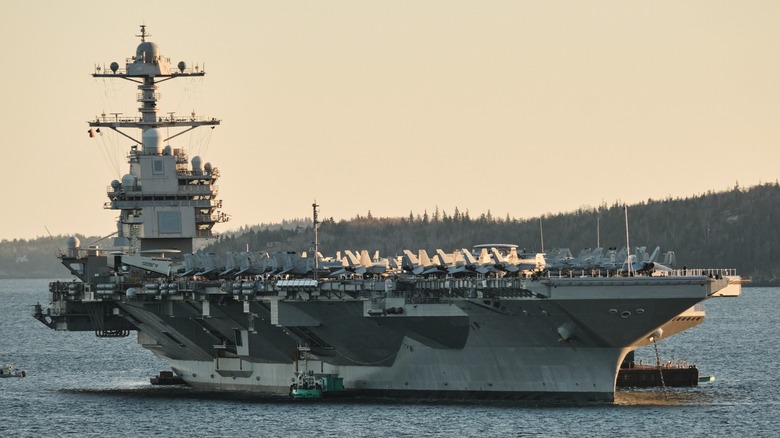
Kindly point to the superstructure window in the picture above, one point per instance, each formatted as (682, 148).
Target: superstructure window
(157, 167)
(169, 222)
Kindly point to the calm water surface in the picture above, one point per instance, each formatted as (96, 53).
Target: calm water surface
(80, 385)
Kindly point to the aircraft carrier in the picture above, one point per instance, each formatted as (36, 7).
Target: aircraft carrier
(489, 322)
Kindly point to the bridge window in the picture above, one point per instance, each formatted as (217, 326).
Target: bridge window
(157, 167)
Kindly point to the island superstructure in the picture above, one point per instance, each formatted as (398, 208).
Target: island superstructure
(162, 202)
(489, 322)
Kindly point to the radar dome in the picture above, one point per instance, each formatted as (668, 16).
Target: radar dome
(147, 52)
(115, 184)
(196, 165)
(73, 242)
(167, 150)
(152, 141)
(114, 66)
(182, 66)
(128, 181)
(207, 167)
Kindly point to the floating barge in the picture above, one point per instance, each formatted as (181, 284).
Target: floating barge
(669, 374)
(646, 376)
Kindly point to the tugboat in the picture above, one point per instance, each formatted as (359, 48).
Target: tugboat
(306, 384)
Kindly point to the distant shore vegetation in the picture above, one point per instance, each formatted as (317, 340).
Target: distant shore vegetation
(737, 228)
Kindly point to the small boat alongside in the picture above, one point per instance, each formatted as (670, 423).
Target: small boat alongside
(166, 378)
(307, 384)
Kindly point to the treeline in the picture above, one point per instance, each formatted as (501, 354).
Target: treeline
(37, 258)
(739, 228)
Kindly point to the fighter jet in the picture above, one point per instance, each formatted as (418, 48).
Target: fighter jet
(363, 265)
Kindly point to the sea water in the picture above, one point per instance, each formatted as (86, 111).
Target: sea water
(81, 385)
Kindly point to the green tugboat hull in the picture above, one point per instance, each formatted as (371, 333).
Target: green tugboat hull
(306, 393)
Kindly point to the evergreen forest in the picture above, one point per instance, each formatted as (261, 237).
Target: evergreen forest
(738, 228)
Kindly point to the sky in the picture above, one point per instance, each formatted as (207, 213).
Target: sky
(520, 108)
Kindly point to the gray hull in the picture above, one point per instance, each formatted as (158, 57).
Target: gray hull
(554, 339)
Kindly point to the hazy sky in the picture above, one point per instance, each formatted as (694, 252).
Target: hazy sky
(518, 107)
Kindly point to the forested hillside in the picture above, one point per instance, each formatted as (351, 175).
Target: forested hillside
(37, 258)
(739, 229)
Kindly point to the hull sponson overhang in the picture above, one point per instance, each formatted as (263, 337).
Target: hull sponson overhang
(549, 338)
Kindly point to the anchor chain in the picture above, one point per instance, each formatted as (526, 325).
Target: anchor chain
(660, 369)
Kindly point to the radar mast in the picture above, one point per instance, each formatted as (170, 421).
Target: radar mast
(164, 203)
